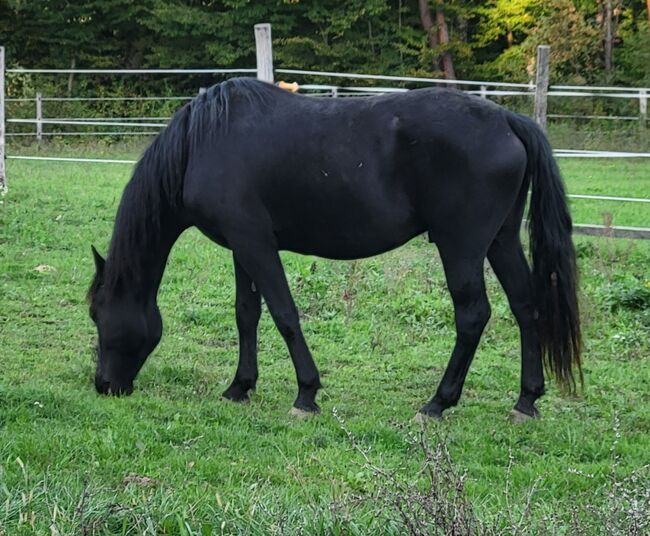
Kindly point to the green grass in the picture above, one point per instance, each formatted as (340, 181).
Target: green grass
(176, 459)
(608, 177)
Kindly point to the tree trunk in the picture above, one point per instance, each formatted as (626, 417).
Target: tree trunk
(647, 2)
(431, 30)
(608, 36)
(443, 33)
(73, 63)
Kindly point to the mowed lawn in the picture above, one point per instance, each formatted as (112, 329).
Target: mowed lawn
(176, 459)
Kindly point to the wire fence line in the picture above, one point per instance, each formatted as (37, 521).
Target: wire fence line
(312, 89)
(70, 159)
(114, 161)
(131, 71)
(83, 133)
(331, 74)
(483, 88)
(479, 87)
(89, 122)
(629, 94)
(99, 99)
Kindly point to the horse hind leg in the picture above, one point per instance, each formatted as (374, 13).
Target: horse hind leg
(509, 263)
(472, 312)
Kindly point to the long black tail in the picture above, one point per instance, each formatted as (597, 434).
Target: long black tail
(555, 275)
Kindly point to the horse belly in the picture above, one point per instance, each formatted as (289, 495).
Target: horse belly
(345, 230)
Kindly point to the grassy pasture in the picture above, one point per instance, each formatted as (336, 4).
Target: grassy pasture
(176, 459)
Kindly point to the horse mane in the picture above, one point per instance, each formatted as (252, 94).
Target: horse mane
(156, 187)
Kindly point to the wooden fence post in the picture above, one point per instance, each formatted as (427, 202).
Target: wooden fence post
(483, 91)
(643, 108)
(39, 117)
(3, 172)
(264, 50)
(541, 85)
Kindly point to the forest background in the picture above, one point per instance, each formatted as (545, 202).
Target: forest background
(593, 41)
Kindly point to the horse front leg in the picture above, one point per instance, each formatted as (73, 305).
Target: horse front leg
(262, 263)
(248, 308)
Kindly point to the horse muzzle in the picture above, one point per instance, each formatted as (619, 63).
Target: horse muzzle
(106, 387)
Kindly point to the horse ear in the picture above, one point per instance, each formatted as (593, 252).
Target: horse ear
(99, 261)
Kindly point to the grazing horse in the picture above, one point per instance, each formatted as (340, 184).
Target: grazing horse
(259, 170)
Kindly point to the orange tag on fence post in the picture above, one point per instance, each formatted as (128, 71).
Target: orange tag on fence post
(293, 87)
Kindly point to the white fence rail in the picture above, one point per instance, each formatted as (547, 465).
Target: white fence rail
(144, 125)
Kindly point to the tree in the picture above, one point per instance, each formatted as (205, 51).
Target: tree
(438, 37)
(490, 39)
(430, 29)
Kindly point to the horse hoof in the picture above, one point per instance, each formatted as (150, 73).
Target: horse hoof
(242, 400)
(517, 417)
(236, 395)
(301, 414)
(424, 418)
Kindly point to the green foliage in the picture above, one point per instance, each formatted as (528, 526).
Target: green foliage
(633, 59)
(628, 292)
(498, 18)
(493, 39)
(175, 459)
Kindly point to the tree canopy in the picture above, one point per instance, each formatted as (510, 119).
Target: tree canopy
(468, 39)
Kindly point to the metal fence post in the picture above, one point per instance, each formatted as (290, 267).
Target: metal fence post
(541, 85)
(3, 172)
(643, 107)
(264, 50)
(484, 91)
(39, 117)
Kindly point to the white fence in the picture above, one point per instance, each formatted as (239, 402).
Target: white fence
(322, 90)
(149, 125)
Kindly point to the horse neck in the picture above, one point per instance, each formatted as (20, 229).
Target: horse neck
(145, 231)
(151, 262)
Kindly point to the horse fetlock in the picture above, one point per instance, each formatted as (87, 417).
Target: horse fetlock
(237, 392)
(305, 405)
(524, 409)
(434, 408)
(307, 397)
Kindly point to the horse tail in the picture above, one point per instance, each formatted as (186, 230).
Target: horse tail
(555, 276)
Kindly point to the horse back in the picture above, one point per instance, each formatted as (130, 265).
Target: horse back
(347, 178)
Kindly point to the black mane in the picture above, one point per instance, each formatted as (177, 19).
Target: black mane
(156, 187)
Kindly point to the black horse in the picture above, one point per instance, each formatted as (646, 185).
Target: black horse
(259, 170)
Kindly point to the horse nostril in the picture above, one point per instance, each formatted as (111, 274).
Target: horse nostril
(102, 386)
(107, 387)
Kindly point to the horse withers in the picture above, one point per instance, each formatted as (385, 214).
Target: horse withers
(259, 170)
